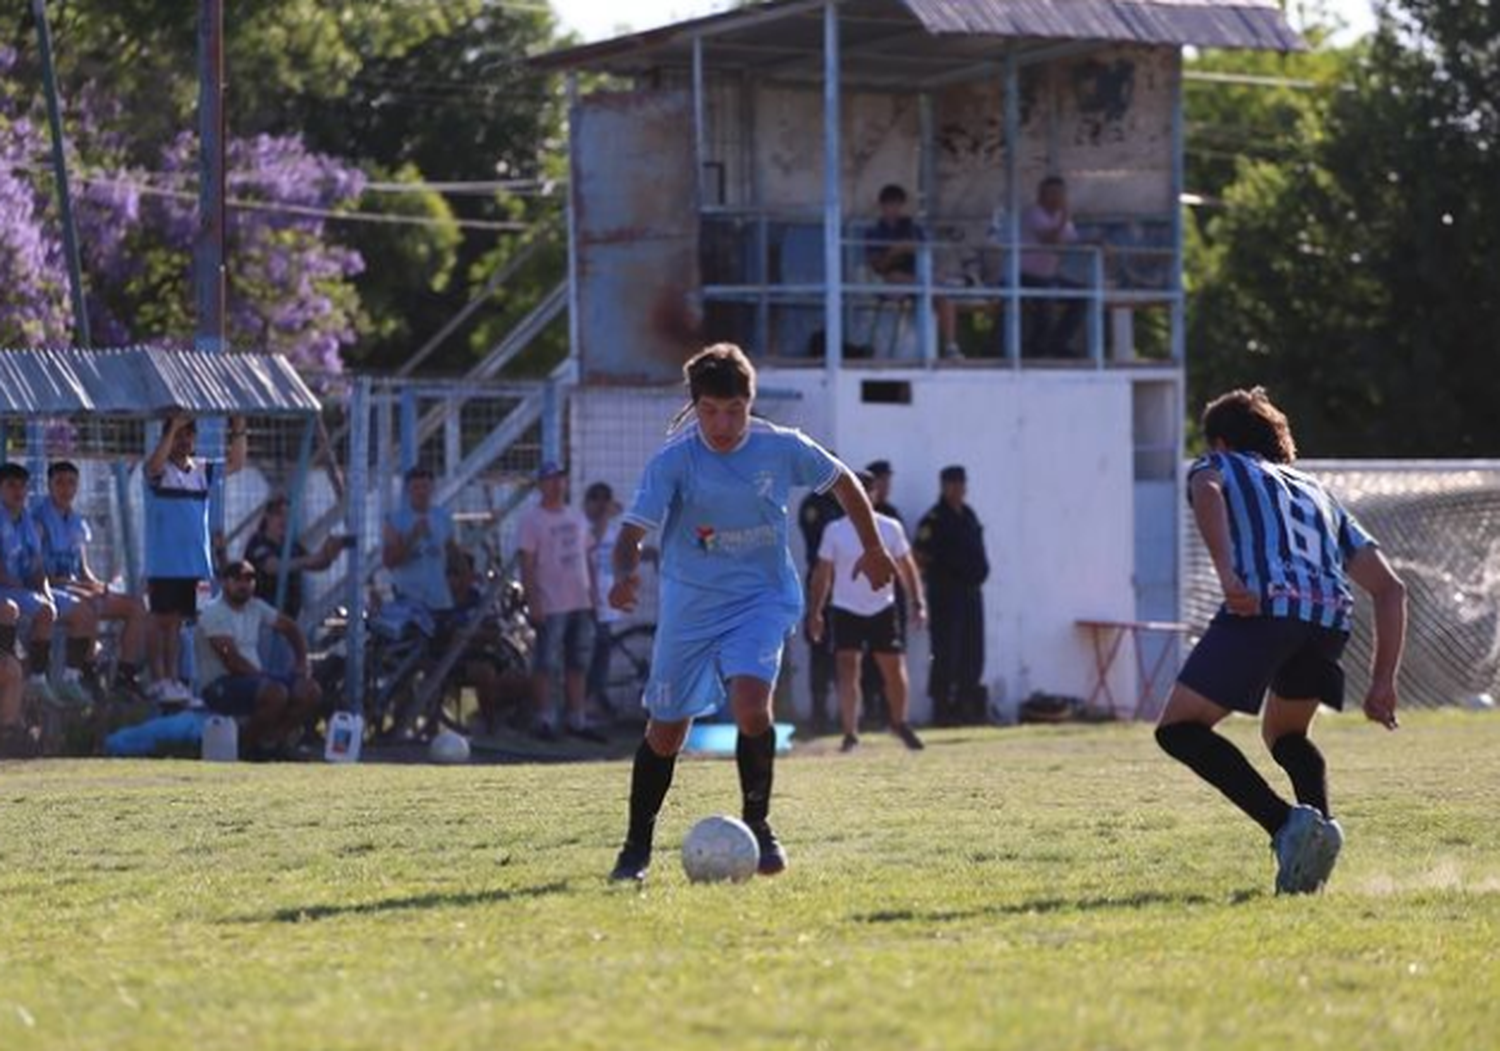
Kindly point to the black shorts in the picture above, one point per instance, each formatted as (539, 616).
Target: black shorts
(173, 596)
(1239, 658)
(880, 633)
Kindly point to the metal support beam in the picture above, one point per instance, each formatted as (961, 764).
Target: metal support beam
(700, 119)
(1013, 210)
(928, 204)
(81, 334)
(575, 181)
(833, 206)
(209, 245)
(126, 522)
(296, 501)
(354, 581)
(1178, 309)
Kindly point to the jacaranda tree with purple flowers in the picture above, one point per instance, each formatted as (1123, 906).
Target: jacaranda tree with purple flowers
(290, 282)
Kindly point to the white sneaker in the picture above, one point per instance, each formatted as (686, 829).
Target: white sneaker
(38, 687)
(71, 689)
(178, 691)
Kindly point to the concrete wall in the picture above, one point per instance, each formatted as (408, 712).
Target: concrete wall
(1050, 460)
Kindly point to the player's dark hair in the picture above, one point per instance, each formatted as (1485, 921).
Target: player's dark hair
(1052, 180)
(892, 194)
(1247, 422)
(57, 467)
(719, 371)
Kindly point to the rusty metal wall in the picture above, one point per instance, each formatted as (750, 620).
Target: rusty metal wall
(635, 200)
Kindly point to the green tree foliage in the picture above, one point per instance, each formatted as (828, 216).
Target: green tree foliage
(1354, 274)
(406, 92)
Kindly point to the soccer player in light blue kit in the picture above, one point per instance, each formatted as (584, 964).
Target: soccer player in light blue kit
(730, 594)
(1284, 551)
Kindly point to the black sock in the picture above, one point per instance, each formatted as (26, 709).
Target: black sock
(756, 758)
(39, 656)
(8, 639)
(650, 778)
(1301, 759)
(1224, 766)
(79, 652)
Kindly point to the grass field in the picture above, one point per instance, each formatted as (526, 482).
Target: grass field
(1033, 888)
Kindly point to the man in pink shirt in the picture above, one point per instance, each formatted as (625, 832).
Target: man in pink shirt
(555, 571)
(1050, 323)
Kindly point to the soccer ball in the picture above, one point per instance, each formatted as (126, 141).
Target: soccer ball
(1479, 702)
(449, 748)
(718, 849)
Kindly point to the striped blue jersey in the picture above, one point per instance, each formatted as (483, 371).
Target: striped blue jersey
(20, 548)
(723, 516)
(63, 534)
(1291, 539)
(177, 537)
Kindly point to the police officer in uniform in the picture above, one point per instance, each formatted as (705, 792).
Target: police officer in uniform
(950, 548)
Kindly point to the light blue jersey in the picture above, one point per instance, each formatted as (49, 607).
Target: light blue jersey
(177, 538)
(64, 536)
(20, 548)
(730, 593)
(423, 578)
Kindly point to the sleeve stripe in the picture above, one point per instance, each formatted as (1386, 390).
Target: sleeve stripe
(838, 472)
(630, 518)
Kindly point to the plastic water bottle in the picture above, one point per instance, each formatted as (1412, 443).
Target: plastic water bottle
(346, 731)
(221, 739)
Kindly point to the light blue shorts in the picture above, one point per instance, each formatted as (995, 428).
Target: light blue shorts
(30, 603)
(694, 656)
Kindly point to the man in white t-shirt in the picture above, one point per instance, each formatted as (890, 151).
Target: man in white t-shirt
(1047, 230)
(233, 683)
(555, 570)
(864, 618)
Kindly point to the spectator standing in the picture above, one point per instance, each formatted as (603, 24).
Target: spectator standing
(872, 681)
(417, 546)
(278, 707)
(554, 545)
(65, 536)
(950, 549)
(264, 550)
(863, 619)
(178, 544)
(603, 513)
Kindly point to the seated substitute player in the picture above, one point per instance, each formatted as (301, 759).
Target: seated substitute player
(864, 618)
(228, 652)
(65, 536)
(1284, 551)
(23, 581)
(730, 595)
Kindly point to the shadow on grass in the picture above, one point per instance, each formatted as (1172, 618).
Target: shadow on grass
(1043, 906)
(433, 900)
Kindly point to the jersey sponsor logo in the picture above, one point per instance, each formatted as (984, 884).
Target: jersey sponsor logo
(733, 541)
(765, 484)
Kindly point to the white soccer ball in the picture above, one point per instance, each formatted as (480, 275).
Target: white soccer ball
(1480, 702)
(718, 849)
(449, 748)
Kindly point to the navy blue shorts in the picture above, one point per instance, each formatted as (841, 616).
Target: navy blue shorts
(1239, 658)
(236, 694)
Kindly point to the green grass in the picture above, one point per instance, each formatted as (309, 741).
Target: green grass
(1035, 888)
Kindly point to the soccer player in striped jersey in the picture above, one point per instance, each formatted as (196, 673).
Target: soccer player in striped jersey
(730, 595)
(1284, 551)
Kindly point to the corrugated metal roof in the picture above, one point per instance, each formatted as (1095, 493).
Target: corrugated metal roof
(1200, 23)
(1253, 24)
(145, 381)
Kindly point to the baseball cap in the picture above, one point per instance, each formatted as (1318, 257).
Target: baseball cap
(550, 469)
